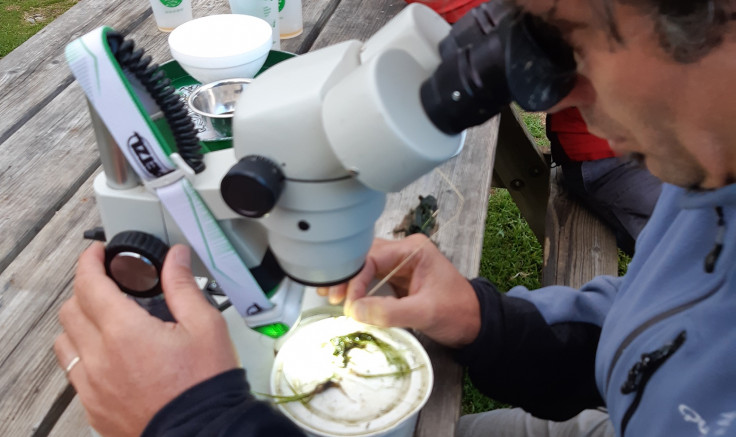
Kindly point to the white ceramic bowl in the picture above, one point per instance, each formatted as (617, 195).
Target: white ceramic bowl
(219, 47)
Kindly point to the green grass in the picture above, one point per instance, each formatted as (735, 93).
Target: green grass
(511, 256)
(623, 262)
(475, 401)
(535, 124)
(21, 19)
(511, 253)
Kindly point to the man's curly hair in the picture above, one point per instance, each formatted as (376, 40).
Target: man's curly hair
(687, 29)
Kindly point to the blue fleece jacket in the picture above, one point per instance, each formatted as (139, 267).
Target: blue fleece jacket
(665, 361)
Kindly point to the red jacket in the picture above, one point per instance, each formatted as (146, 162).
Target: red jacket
(574, 138)
(451, 10)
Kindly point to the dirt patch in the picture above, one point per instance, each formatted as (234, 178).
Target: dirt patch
(46, 14)
(540, 116)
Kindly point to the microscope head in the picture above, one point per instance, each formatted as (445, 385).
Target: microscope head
(321, 138)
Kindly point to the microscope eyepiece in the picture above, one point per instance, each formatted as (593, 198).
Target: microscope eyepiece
(540, 66)
(496, 54)
(468, 87)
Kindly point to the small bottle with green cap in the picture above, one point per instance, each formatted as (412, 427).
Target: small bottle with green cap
(171, 13)
(264, 9)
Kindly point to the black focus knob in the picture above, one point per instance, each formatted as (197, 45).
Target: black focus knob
(252, 186)
(134, 261)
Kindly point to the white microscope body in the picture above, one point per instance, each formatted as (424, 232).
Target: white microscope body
(338, 127)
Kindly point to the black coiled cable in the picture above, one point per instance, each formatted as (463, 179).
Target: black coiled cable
(159, 87)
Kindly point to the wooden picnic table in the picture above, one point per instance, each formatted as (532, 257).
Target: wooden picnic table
(49, 159)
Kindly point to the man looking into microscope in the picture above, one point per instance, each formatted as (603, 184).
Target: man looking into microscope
(656, 347)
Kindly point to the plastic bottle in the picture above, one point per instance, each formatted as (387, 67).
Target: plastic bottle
(171, 13)
(265, 9)
(290, 17)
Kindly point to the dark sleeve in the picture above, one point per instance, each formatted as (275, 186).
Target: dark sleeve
(548, 370)
(220, 406)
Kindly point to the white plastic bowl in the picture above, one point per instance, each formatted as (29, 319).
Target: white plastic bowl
(369, 401)
(220, 47)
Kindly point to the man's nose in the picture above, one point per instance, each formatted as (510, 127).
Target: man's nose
(581, 95)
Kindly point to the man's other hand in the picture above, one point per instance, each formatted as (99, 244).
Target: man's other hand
(431, 294)
(130, 363)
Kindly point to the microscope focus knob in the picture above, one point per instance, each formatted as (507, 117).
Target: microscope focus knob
(252, 186)
(134, 261)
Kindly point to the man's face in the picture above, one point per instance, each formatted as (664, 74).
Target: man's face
(644, 103)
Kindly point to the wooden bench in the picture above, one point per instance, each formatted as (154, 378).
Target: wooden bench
(577, 244)
(521, 168)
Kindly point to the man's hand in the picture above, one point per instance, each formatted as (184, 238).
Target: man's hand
(432, 296)
(131, 363)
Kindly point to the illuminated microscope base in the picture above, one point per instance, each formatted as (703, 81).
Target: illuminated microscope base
(256, 351)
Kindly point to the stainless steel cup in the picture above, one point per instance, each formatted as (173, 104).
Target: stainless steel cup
(215, 103)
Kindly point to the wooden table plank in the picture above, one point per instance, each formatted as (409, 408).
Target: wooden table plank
(36, 72)
(33, 288)
(578, 245)
(73, 423)
(44, 164)
(352, 19)
(315, 13)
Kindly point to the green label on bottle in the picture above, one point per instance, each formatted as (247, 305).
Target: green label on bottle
(171, 3)
(281, 5)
